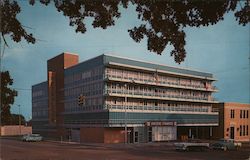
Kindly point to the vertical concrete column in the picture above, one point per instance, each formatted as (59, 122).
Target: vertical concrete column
(190, 133)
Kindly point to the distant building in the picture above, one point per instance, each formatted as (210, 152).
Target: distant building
(98, 99)
(234, 121)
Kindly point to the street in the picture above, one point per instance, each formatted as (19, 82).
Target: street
(12, 149)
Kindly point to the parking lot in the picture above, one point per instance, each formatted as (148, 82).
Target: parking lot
(14, 149)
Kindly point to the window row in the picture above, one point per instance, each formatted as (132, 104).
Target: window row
(155, 77)
(43, 113)
(158, 92)
(243, 130)
(38, 93)
(85, 108)
(161, 108)
(156, 105)
(244, 114)
(93, 74)
(88, 102)
(86, 90)
(40, 104)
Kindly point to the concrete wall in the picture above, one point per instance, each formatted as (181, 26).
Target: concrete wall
(15, 130)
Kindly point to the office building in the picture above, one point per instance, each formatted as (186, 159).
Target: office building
(112, 99)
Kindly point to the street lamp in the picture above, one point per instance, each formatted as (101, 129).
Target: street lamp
(19, 118)
(125, 113)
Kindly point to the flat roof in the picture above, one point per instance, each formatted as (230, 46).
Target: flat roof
(39, 84)
(107, 59)
(235, 104)
(155, 66)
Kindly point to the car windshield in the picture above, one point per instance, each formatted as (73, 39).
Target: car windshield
(226, 140)
(35, 135)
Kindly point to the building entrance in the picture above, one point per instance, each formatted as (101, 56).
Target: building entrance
(161, 131)
(232, 132)
(75, 135)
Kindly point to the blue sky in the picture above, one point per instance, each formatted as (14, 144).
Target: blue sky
(222, 49)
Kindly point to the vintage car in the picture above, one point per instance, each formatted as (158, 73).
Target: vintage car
(192, 144)
(32, 137)
(226, 144)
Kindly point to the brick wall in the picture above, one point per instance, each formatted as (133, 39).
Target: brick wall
(101, 135)
(236, 122)
(227, 120)
(93, 135)
(114, 135)
(15, 130)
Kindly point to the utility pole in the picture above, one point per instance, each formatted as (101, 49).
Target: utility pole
(1, 61)
(19, 117)
(125, 116)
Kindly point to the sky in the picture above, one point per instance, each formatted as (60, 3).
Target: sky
(222, 49)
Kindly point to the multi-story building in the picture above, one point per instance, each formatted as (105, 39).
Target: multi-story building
(101, 99)
(234, 121)
(40, 108)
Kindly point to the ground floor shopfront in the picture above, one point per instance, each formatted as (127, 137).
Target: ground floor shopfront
(150, 132)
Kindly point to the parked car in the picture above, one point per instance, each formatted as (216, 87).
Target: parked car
(226, 144)
(32, 137)
(195, 144)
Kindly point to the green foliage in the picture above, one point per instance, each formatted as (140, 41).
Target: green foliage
(7, 97)
(10, 25)
(15, 119)
(162, 21)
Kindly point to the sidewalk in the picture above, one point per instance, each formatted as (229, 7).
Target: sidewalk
(118, 145)
(63, 142)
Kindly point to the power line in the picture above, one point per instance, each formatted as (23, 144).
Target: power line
(22, 89)
(232, 69)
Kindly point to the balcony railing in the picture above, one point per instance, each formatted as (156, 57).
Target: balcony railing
(176, 84)
(179, 121)
(215, 109)
(202, 109)
(154, 94)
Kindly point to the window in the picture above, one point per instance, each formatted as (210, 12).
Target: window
(244, 113)
(240, 113)
(136, 136)
(240, 130)
(232, 113)
(247, 130)
(247, 114)
(244, 129)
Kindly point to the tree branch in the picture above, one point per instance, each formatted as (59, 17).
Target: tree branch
(5, 40)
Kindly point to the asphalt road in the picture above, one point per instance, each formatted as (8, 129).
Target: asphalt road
(17, 150)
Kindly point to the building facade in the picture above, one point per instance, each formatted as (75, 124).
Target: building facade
(40, 108)
(234, 121)
(113, 99)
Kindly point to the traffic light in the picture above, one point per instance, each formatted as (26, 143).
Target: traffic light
(81, 100)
